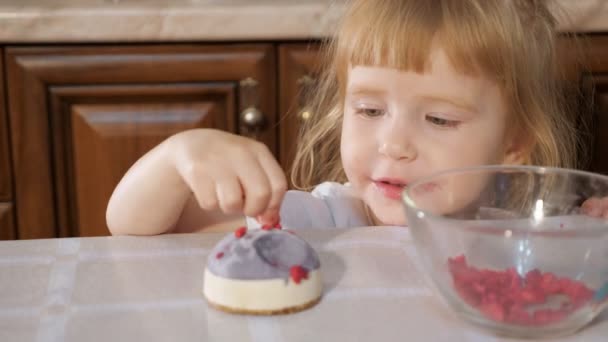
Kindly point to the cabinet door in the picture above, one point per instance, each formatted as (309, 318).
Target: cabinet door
(298, 69)
(81, 116)
(7, 224)
(5, 174)
(585, 63)
(597, 81)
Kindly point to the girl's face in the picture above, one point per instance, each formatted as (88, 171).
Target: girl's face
(399, 126)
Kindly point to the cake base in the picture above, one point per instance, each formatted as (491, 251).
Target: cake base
(285, 311)
(262, 297)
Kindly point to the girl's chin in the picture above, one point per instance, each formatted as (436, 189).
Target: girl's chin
(391, 217)
(387, 212)
(395, 222)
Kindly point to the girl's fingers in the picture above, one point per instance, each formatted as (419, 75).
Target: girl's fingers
(203, 188)
(202, 185)
(592, 207)
(277, 180)
(229, 192)
(604, 207)
(245, 178)
(256, 186)
(596, 207)
(270, 217)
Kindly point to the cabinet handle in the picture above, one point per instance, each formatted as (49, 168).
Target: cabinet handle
(305, 84)
(251, 119)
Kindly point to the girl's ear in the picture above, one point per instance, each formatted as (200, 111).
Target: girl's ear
(519, 150)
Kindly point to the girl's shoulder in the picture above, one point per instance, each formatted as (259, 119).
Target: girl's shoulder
(328, 205)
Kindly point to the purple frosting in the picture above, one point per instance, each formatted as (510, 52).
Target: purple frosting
(261, 254)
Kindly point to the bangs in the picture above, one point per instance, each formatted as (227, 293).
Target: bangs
(375, 34)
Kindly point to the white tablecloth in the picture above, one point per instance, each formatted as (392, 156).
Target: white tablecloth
(149, 289)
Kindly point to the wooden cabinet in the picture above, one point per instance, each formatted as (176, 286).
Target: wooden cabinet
(299, 65)
(80, 117)
(595, 83)
(7, 225)
(5, 175)
(585, 60)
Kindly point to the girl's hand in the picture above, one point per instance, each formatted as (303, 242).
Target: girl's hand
(230, 173)
(596, 207)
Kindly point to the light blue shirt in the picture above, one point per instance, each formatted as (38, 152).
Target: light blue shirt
(329, 205)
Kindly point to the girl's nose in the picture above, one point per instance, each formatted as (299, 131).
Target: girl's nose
(397, 151)
(397, 136)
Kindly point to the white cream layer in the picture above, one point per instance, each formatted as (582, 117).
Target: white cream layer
(271, 294)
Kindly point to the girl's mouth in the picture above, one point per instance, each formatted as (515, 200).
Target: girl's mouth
(390, 188)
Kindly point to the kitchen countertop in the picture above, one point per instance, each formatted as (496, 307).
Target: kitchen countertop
(124, 288)
(28, 21)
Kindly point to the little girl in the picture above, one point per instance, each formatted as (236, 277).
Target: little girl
(411, 87)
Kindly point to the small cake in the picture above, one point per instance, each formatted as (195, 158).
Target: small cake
(262, 272)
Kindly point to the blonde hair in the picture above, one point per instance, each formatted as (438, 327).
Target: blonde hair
(510, 42)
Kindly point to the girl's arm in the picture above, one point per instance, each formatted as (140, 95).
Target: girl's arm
(150, 198)
(196, 179)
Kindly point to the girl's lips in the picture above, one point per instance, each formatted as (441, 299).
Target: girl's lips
(390, 190)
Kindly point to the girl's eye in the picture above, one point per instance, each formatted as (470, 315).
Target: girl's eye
(370, 112)
(441, 122)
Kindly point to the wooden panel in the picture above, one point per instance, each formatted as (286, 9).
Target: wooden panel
(296, 63)
(585, 62)
(5, 175)
(34, 73)
(595, 85)
(100, 131)
(599, 161)
(7, 223)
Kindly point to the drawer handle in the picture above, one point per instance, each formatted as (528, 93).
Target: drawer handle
(252, 119)
(305, 84)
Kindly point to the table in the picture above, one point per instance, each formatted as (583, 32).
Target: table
(149, 289)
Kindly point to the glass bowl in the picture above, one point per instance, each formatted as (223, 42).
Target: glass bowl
(519, 250)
